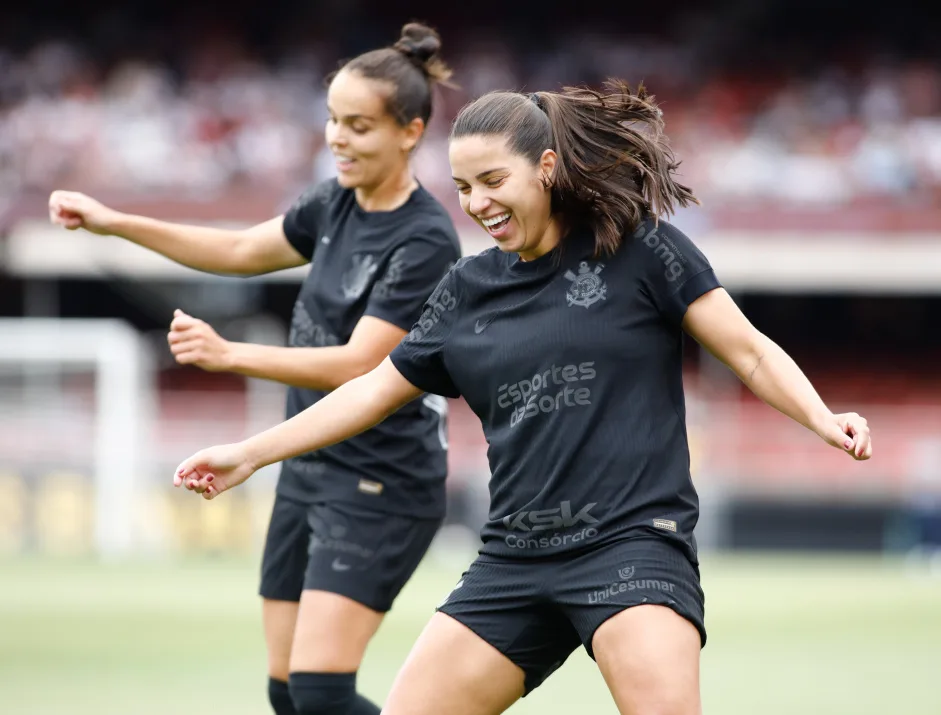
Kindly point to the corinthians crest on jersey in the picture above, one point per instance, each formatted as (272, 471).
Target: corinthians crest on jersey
(587, 287)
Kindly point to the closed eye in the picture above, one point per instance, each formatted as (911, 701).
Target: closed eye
(356, 126)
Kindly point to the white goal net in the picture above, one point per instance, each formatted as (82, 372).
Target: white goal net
(75, 410)
(88, 444)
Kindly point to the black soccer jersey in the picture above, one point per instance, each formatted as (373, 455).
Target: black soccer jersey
(384, 264)
(574, 366)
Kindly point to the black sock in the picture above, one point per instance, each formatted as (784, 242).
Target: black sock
(280, 697)
(328, 694)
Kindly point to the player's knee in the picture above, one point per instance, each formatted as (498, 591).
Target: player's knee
(669, 704)
(323, 693)
(676, 709)
(280, 697)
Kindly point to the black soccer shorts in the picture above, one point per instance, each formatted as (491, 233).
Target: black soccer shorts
(342, 548)
(537, 612)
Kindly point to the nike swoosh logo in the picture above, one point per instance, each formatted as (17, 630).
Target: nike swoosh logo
(339, 565)
(478, 328)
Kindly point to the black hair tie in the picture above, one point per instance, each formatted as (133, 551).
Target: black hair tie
(418, 51)
(534, 98)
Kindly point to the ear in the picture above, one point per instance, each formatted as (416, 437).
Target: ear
(412, 133)
(547, 165)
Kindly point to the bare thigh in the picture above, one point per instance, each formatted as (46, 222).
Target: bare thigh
(649, 657)
(279, 619)
(453, 670)
(331, 633)
(324, 633)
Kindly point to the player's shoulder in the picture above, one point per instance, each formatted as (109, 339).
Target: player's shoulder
(658, 250)
(426, 222)
(653, 231)
(429, 215)
(465, 270)
(656, 240)
(479, 268)
(477, 264)
(482, 263)
(429, 205)
(319, 195)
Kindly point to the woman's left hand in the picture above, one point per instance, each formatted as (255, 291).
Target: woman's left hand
(211, 471)
(849, 432)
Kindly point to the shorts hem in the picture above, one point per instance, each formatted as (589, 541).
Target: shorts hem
(357, 499)
(528, 686)
(269, 596)
(371, 604)
(675, 607)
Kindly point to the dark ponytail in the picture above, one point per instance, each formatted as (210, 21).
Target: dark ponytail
(615, 165)
(411, 66)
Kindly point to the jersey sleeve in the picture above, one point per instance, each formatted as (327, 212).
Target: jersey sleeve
(302, 221)
(674, 271)
(420, 355)
(411, 275)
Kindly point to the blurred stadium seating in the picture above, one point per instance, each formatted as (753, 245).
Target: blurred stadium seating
(216, 114)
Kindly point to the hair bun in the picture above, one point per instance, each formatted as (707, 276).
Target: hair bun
(418, 42)
(421, 45)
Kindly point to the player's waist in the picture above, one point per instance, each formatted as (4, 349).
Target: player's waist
(422, 500)
(519, 544)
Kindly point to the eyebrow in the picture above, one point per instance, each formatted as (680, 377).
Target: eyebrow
(482, 174)
(352, 117)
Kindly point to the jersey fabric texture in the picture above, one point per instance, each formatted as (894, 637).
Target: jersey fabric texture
(573, 363)
(383, 264)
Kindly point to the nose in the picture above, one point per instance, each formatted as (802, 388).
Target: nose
(335, 135)
(479, 202)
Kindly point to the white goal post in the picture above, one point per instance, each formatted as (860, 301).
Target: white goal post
(124, 389)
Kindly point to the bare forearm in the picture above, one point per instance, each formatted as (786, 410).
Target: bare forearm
(204, 248)
(346, 412)
(774, 377)
(323, 368)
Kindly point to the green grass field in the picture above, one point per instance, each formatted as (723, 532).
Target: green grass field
(787, 636)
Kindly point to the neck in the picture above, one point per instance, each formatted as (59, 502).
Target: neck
(389, 194)
(550, 239)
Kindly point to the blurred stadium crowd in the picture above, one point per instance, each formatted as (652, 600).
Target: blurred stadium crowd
(853, 129)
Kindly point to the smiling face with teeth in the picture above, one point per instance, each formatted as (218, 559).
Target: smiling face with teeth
(370, 147)
(506, 194)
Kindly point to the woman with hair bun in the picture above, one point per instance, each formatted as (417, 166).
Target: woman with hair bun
(352, 521)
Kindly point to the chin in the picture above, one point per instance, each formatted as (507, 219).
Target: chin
(506, 246)
(347, 181)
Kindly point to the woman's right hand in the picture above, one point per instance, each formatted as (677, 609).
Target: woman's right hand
(74, 210)
(211, 471)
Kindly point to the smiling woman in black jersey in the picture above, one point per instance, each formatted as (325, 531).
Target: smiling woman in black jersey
(352, 521)
(566, 341)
